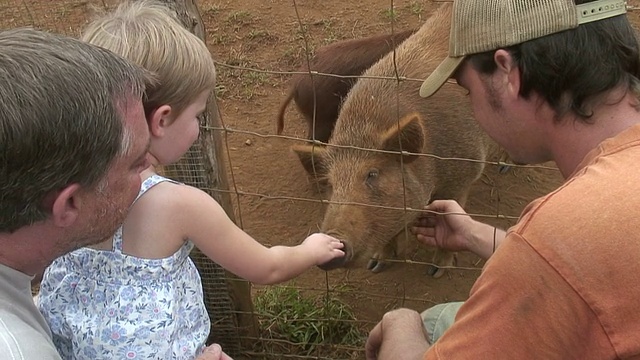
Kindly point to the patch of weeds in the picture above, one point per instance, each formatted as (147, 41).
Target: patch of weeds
(415, 8)
(219, 38)
(331, 34)
(256, 34)
(262, 36)
(291, 55)
(212, 10)
(241, 17)
(221, 91)
(300, 324)
(237, 58)
(240, 82)
(330, 38)
(326, 23)
(301, 31)
(248, 93)
(295, 55)
(255, 78)
(390, 14)
(252, 81)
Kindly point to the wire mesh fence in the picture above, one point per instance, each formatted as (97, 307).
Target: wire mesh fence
(258, 48)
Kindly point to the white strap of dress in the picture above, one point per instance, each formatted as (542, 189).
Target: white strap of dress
(147, 184)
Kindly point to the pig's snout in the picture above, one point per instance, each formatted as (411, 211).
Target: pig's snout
(340, 261)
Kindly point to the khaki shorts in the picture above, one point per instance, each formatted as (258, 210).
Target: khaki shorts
(439, 318)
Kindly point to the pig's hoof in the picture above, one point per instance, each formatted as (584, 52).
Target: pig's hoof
(504, 168)
(435, 272)
(376, 265)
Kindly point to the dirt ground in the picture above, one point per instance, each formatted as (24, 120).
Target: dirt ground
(274, 200)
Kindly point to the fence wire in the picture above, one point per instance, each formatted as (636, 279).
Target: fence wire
(272, 315)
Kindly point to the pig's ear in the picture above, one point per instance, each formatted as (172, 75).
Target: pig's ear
(312, 158)
(408, 134)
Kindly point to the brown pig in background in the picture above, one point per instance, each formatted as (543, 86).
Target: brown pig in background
(389, 116)
(345, 58)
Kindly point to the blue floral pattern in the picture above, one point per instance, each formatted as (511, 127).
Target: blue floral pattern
(110, 305)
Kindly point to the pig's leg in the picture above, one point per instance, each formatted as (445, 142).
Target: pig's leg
(442, 259)
(505, 160)
(377, 262)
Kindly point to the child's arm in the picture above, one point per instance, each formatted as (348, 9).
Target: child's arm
(205, 223)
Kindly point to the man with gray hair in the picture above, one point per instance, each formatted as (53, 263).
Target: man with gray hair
(73, 141)
(549, 80)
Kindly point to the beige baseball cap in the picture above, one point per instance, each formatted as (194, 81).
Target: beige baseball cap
(483, 25)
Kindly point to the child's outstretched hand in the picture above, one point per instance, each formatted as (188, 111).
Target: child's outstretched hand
(323, 247)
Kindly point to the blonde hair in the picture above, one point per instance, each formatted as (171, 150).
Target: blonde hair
(148, 34)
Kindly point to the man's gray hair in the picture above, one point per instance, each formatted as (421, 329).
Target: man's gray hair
(62, 104)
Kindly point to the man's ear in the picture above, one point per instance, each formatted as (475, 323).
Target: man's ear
(66, 206)
(503, 60)
(158, 119)
(507, 66)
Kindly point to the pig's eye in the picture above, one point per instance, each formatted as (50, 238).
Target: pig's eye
(372, 175)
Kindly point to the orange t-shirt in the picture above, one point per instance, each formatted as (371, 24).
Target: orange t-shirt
(565, 283)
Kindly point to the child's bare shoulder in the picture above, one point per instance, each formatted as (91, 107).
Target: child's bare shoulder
(176, 197)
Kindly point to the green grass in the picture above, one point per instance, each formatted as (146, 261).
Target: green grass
(220, 38)
(221, 91)
(241, 17)
(307, 325)
(390, 14)
(301, 31)
(254, 78)
(211, 10)
(415, 8)
(258, 34)
(295, 55)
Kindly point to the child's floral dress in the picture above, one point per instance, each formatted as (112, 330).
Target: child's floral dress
(110, 305)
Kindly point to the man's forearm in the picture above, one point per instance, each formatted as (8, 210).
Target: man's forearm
(485, 239)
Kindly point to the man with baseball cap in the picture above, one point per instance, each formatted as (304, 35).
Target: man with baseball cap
(549, 80)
